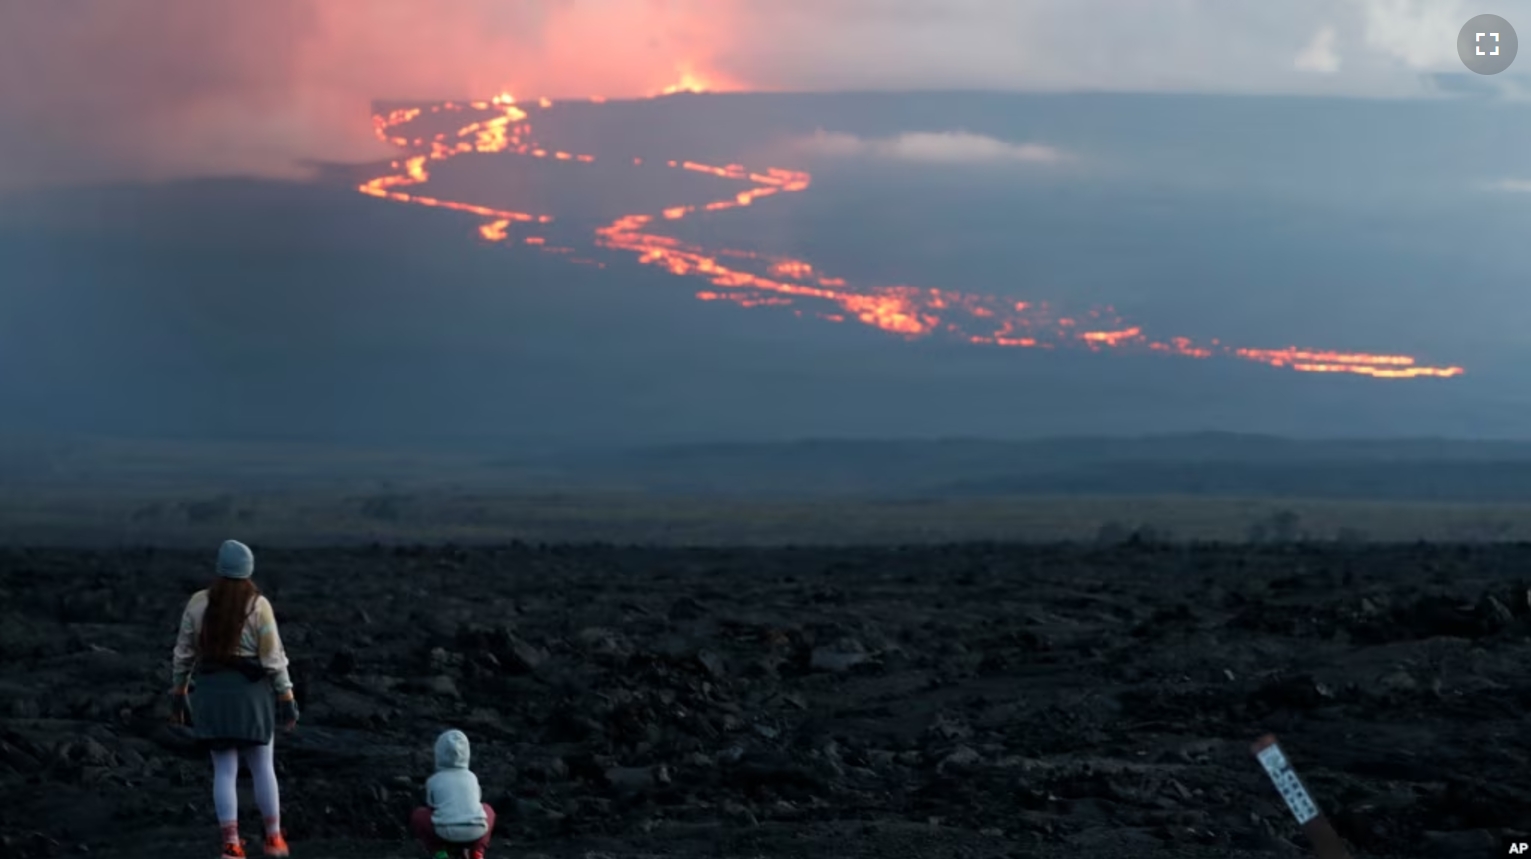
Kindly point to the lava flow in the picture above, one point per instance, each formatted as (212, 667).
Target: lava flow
(753, 279)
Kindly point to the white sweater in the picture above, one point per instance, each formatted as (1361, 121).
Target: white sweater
(258, 640)
(457, 809)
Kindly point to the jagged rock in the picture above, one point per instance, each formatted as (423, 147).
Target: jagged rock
(686, 608)
(524, 657)
(547, 769)
(525, 809)
(1494, 614)
(17, 759)
(631, 780)
(1299, 692)
(499, 649)
(1457, 845)
(342, 663)
(947, 728)
(740, 814)
(84, 752)
(1095, 739)
(841, 656)
(443, 660)
(713, 663)
(440, 685)
(1398, 681)
(959, 759)
(605, 643)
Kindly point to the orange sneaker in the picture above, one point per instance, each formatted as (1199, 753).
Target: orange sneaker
(234, 850)
(276, 845)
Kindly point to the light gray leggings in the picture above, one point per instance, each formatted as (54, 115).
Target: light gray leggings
(261, 761)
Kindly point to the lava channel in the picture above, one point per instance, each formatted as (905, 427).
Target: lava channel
(751, 279)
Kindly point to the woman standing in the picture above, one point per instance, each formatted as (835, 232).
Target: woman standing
(231, 684)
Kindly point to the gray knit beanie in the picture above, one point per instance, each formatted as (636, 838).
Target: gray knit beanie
(235, 560)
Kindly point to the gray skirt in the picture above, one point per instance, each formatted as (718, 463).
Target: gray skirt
(230, 710)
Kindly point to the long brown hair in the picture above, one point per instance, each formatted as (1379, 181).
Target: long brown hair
(229, 603)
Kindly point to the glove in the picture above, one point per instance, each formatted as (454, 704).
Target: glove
(287, 712)
(180, 707)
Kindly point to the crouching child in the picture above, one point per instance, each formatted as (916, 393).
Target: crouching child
(455, 821)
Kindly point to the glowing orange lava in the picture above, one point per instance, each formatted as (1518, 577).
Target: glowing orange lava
(752, 279)
(688, 83)
(495, 230)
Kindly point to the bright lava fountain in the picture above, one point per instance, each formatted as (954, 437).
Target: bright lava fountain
(753, 279)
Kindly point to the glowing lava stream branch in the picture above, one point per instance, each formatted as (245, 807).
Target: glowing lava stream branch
(753, 279)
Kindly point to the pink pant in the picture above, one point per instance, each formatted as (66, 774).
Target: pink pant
(420, 825)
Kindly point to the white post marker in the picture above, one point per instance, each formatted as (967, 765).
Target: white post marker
(1314, 825)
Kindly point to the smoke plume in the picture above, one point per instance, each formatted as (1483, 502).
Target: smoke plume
(93, 89)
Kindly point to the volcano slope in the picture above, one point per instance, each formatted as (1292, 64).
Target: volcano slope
(975, 701)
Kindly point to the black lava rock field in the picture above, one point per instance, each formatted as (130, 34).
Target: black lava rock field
(961, 701)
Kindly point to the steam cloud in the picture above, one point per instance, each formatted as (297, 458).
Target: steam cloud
(1319, 56)
(948, 147)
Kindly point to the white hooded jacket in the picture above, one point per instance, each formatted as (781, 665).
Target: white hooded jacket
(453, 793)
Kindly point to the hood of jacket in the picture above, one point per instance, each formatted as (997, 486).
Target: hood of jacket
(452, 750)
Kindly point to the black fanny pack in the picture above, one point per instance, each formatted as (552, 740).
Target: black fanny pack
(250, 668)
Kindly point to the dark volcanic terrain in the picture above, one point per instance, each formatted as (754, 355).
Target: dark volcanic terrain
(975, 701)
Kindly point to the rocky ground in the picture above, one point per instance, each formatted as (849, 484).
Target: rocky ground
(969, 701)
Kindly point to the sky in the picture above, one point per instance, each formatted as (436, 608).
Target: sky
(99, 89)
